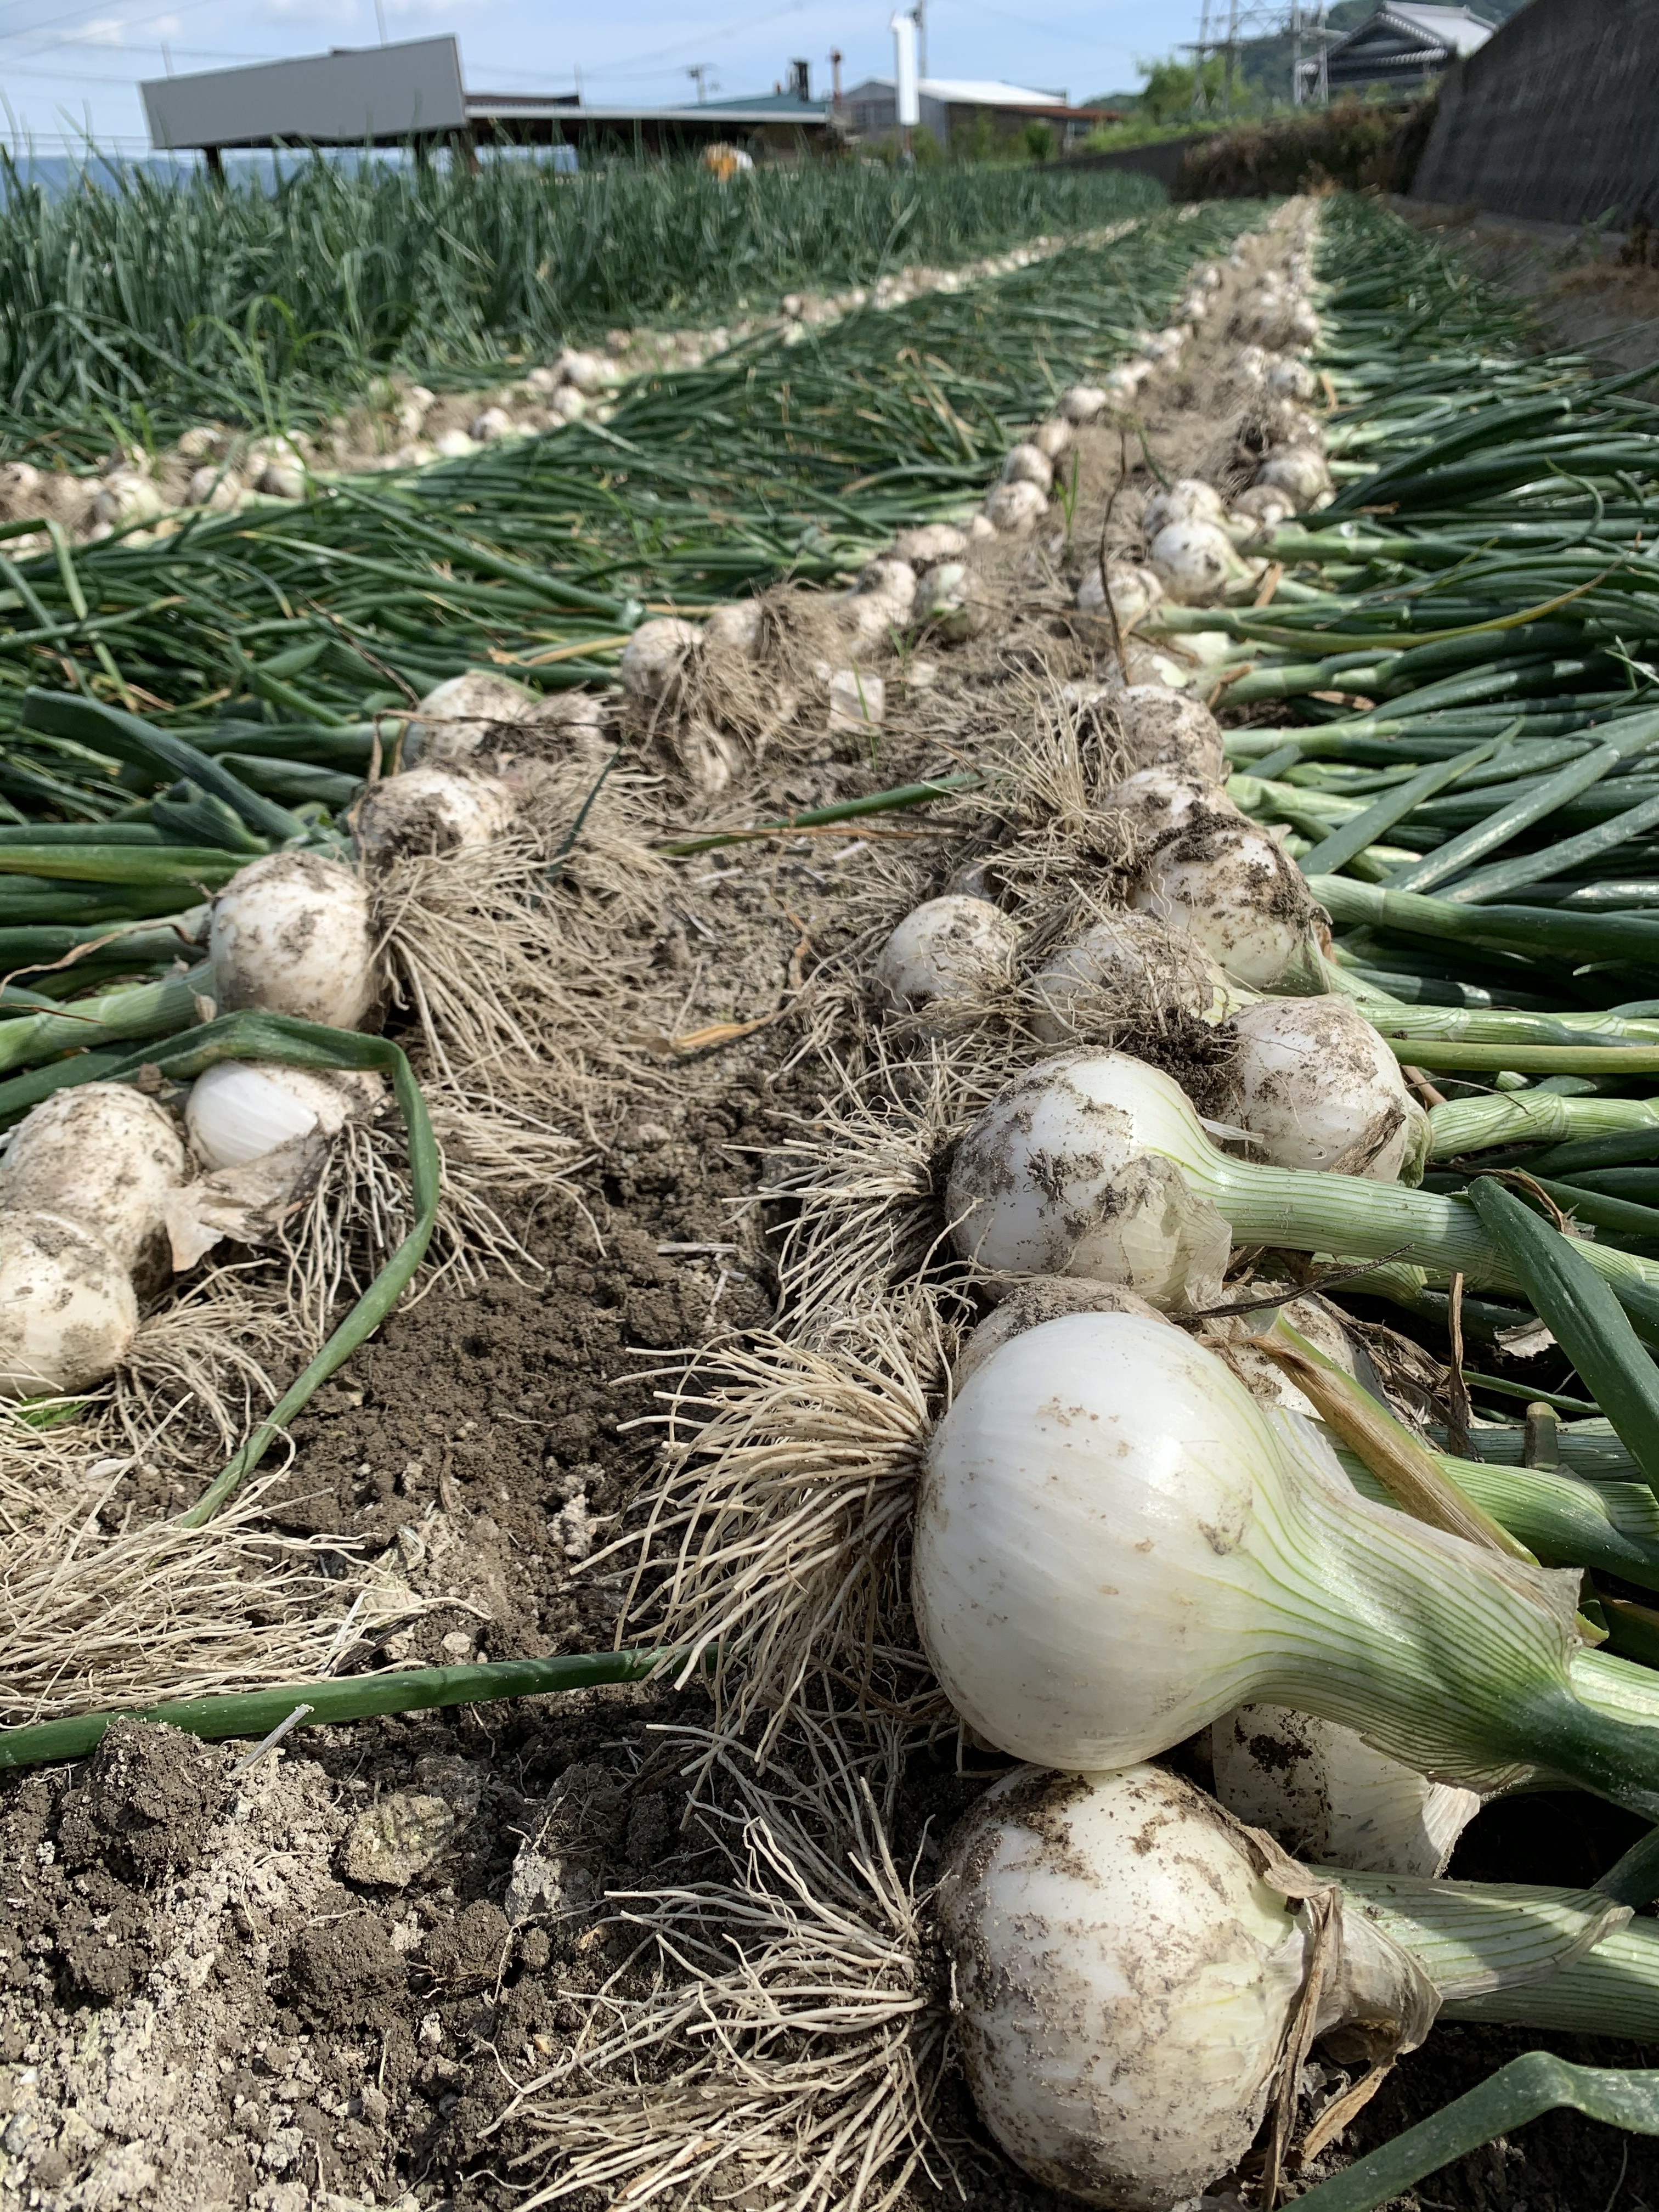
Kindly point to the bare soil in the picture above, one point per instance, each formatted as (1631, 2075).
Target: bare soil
(313, 1982)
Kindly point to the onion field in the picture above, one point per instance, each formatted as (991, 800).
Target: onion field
(839, 1192)
(150, 306)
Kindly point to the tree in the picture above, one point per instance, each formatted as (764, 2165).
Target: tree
(975, 141)
(1039, 140)
(1167, 95)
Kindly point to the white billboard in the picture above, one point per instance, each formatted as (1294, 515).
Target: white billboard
(341, 99)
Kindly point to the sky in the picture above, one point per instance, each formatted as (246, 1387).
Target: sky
(69, 68)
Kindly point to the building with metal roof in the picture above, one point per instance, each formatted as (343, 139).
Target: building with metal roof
(411, 93)
(954, 106)
(1404, 46)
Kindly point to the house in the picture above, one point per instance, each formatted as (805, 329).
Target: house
(951, 109)
(1404, 46)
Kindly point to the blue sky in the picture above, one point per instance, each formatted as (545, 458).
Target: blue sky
(67, 66)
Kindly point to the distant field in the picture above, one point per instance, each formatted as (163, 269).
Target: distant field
(148, 304)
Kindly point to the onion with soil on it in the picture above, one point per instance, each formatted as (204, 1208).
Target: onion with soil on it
(432, 809)
(105, 1155)
(1230, 887)
(952, 948)
(290, 934)
(1318, 1088)
(68, 1309)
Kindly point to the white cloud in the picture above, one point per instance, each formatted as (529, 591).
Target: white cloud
(334, 14)
(121, 31)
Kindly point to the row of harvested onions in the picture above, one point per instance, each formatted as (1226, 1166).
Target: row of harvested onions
(1135, 1532)
(105, 1192)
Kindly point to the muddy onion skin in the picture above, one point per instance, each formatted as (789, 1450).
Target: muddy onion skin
(1160, 798)
(1162, 730)
(1125, 960)
(1114, 1545)
(431, 809)
(68, 1311)
(1073, 1170)
(102, 1154)
(954, 947)
(290, 934)
(1326, 1796)
(1230, 887)
(459, 714)
(1123, 1977)
(1319, 1088)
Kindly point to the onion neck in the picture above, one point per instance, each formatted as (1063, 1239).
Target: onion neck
(1614, 1759)
(1303, 1212)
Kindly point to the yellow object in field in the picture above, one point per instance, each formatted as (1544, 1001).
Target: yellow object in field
(726, 162)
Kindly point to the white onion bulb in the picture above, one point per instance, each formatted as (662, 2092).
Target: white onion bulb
(1298, 471)
(1230, 888)
(885, 599)
(429, 809)
(1126, 1964)
(1016, 508)
(1156, 800)
(1195, 562)
(950, 599)
(1073, 1170)
(1294, 380)
(1125, 960)
(1114, 1545)
(239, 1109)
(1083, 403)
(1135, 591)
(654, 658)
(1320, 1088)
(1052, 437)
(1263, 506)
(68, 1311)
(103, 1155)
(736, 629)
(1029, 464)
(1189, 499)
(929, 544)
(1325, 1795)
(290, 934)
(947, 948)
(1160, 728)
(459, 714)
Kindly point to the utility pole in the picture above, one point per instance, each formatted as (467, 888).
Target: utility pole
(699, 73)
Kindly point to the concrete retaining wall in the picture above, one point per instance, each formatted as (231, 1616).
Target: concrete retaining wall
(1556, 117)
(1161, 159)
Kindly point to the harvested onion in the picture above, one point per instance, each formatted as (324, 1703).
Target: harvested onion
(1320, 1088)
(290, 934)
(432, 809)
(68, 1311)
(948, 948)
(240, 1109)
(1230, 887)
(104, 1155)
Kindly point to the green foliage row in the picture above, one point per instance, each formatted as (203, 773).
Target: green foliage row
(150, 304)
